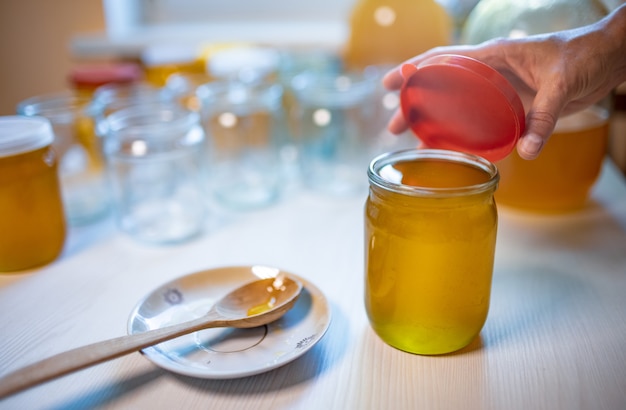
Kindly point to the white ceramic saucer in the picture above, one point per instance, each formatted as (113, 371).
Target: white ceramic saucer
(228, 353)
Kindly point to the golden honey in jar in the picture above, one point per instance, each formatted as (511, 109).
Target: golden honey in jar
(430, 234)
(392, 31)
(161, 61)
(32, 222)
(561, 178)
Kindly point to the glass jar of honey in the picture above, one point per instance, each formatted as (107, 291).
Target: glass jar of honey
(392, 31)
(561, 178)
(430, 235)
(162, 60)
(32, 221)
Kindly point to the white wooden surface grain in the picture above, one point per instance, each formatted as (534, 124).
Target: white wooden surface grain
(555, 337)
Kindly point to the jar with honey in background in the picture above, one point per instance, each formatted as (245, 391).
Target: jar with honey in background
(392, 31)
(162, 60)
(430, 235)
(561, 178)
(32, 221)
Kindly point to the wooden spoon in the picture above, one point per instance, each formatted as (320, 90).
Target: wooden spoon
(254, 304)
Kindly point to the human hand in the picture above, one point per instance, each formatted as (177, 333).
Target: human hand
(554, 74)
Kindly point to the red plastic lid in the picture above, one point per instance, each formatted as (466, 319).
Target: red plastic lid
(96, 75)
(458, 103)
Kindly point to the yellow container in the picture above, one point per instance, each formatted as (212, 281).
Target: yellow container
(391, 31)
(32, 222)
(161, 61)
(430, 234)
(561, 178)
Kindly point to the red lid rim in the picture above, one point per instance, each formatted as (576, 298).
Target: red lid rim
(439, 88)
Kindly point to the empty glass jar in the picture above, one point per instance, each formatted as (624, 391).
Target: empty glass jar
(244, 123)
(156, 161)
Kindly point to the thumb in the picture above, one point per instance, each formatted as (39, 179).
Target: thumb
(540, 123)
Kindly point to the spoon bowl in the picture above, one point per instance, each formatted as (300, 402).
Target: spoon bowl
(259, 302)
(254, 304)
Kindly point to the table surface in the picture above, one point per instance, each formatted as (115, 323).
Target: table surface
(555, 337)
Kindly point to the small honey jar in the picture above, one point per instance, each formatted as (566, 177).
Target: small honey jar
(430, 236)
(32, 221)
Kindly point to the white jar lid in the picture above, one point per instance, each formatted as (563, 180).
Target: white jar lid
(19, 134)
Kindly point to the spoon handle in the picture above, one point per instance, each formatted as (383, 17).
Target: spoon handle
(82, 357)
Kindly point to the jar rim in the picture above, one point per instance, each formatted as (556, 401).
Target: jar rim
(58, 107)
(381, 161)
(151, 129)
(108, 95)
(236, 96)
(345, 89)
(151, 117)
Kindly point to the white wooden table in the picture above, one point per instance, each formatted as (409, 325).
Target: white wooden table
(555, 337)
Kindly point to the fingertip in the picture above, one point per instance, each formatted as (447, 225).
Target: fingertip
(393, 79)
(529, 147)
(397, 125)
(408, 70)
